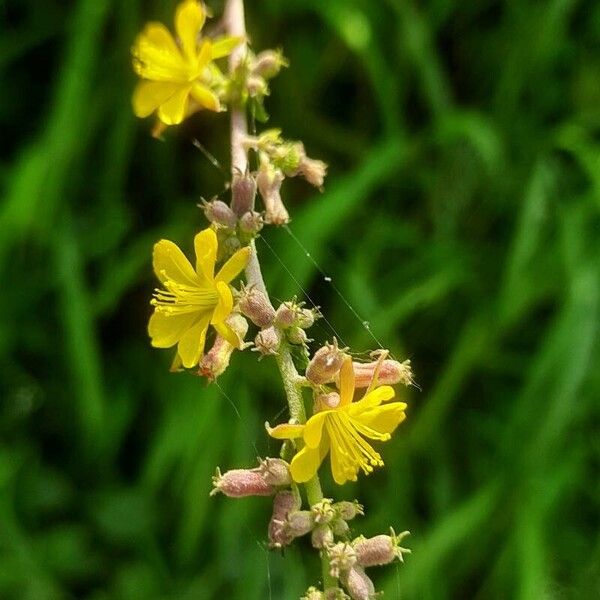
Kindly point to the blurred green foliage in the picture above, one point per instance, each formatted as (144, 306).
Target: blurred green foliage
(461, 219)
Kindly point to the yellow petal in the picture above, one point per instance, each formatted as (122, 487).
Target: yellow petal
(384, 419)
(205, 98)
(285, 431)
(228, 334)
(156, 55)
(224, 45)
(338, 465)
(191, 344)
(157, 36)
(174, 109)
(169, 262)
(234, 266)
(206, 246)
(305, 464)
(189, 20)
(205, 54)
(224, 305)
(372, 399)
(166, 330)
(346, 382)
(313, 429)
(149, 95)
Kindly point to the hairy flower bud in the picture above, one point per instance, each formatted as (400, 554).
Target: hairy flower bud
(285, 315)
(216, 360)
(321, 537)
(216, 211)
(256, 86)
(380, 550)
(306, 317)
(342, 557)
(275, 471)
(325, 364)
(251, 223)
(240, 483)
(256, 306)
(358, 584)
(297, 336)
(340, 527)
(243, 193)
(313, 171)
(300, 522)
(323, 511)
(283, 504)
(267, 341)
(269, 180)
(348, 510)
(390, 372)
(268, 63)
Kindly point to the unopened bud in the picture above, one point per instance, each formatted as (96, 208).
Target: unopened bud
(321, 537)
(325, 364)
(230, 245)
(348, 510)
(267, 341)
(216, 360)
(240, 483)
(256, 86)
(275, 471)
(358, 584)
(390, 373)
(268, 63)
(216, 211)
(269, 182)
(380, 550)
(283, 504)
(313, 171)
(300, 522)
(251, 222)
(323, 511)
(297, 336)
(306, 317)
(243, 193)
(256, 306)
(340, 527)
(285, 315)
(341, 558)
(336, 594)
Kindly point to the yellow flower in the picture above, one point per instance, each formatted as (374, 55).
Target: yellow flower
(343, 431)
(180, 78)
(192, 299)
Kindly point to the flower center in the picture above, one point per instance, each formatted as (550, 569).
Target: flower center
(179, 299)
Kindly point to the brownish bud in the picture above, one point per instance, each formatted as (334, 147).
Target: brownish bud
(313, 171)
(348, 510)
(300, 522)
(321, 536)
(243, 193)
(216, 211)
(256, 306)
(275, 471)
(269, 180)
(390, 373)
(325, 364)
(341, 558)
(268, 63)
(251, 222)
(380, 550)
(285, 315)
(216, 360)
(306, 317)
(283, 504)
(267, 341)
(240, 483)
(297, 336)
(358, 584)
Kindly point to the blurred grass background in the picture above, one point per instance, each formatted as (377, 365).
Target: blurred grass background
(461, 219)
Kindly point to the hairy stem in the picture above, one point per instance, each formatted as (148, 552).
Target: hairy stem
(235, 24)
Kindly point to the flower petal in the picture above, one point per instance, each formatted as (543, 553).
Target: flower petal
(384, 419)
(285, 431)
(313, 430)
(206, 246)
(305, 464)
(346, 382)
(166, 330)
(191, 344)
(174, 109)
(169, 262)
(228, 334)
(224, 305)
(372, 399)
(205, 97)
(223, 46)
(234, 266)
(338, 465)
(189, 20)
(149, 95)
(156, 55)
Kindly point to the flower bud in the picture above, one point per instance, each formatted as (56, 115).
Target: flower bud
(348, 510)
(267, 341)
(283, 504)
(342, 557)
(243, 193)
(256, 306)
(336, 594)
(269, 180)
(323, 511)
(300, 522)
(251, 222)
(321, 537)
(285, 315)
(379, 550)
(275, 471)
(327, 401)
(358, 584)
(268, 63)
(390, 373)
(306, 317)
(340, 527)
(239, 483)
(216, 360)
(256, 86)
(325, 364)
(297, 336)
(216, 211)
(313, 171)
